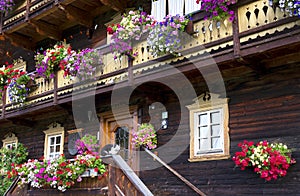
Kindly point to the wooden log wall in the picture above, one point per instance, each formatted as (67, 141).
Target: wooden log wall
(262, 107)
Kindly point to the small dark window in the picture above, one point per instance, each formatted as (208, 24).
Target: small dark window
(122, 139)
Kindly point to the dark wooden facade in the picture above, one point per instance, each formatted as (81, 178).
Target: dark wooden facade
(262, 81)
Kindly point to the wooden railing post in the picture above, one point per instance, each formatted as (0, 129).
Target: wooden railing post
(55, 83)
(130, 70)
(1, 22)
(111, 179)
(3, 103)
(27, 10)
(236, 36)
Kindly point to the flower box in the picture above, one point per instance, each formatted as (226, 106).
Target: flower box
(89, 173)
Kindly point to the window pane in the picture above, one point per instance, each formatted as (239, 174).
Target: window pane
(52, 140)
(58, 138)
(216, 143)
(215, 130)
(57, 148)
(203, 119)
(204, 144)
(215, 117)
(51, 149)
(204, 132)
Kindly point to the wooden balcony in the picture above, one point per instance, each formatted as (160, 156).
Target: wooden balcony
(260, 31)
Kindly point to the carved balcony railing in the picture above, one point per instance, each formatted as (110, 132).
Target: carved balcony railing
(255, 19)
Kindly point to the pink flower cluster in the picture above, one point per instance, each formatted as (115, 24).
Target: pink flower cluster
(131, 28)
(218, 9)
(59, 172)
(145, 136)
(61, 57)
(270, 161)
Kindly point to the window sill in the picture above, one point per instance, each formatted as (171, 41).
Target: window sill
(208, 158)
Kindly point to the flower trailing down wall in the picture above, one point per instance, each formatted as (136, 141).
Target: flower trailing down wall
(58, 173)
(292, 7)
(88, 143)
(145, 136)
(18, 89)
(165, 36)
(132, 26)
(52, 59)
(269, 160)
(218, 10)
(7, 75)
(6, 5)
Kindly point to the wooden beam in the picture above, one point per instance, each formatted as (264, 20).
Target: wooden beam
(22, 122)
(118, 5)
(20, 40)
(78, 15)
(46, 29)
(256, 66)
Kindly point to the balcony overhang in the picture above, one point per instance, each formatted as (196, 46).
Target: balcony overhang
(36, 20)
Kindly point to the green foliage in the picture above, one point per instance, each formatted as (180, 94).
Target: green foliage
(16, 155)
(8, 156)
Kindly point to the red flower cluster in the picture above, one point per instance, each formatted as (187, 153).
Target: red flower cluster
(8, 74)
(269, 160)
(111, 29)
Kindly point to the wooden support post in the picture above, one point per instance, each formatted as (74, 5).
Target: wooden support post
(111, 179)
(3, 103)
(55, 83)
(130, 71)
(1, 22)
(175, 173)
(27, 10)
(236, 36)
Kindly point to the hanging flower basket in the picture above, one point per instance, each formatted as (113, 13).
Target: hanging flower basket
(289, 6)
(269, 160)
(144, 137)
(165, 37)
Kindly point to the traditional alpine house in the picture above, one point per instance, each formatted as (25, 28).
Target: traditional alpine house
(229, 81)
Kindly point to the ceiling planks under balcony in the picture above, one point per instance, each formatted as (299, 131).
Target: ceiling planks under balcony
(34, 21)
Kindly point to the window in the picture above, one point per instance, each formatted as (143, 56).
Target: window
(175, 7)
(54, 138)
(158, 9)
(54, 144)
(10, 140)
(122, 139)
(209, 128)
(183, 7)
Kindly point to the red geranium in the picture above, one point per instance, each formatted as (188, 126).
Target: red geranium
(269, 160)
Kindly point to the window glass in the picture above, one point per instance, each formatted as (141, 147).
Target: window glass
(209, 131)
(122, 139)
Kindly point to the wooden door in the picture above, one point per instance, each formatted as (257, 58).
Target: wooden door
(117, 130)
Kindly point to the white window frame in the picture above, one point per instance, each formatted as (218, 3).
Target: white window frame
(197, 148)
(10, 139)
(54, 130)
(204, 105)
